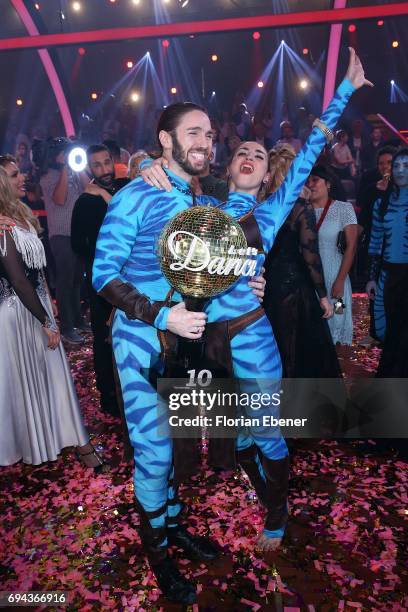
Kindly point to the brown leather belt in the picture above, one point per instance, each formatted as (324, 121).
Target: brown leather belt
(218, 336)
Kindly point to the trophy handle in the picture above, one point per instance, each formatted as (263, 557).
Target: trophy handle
(194, 304)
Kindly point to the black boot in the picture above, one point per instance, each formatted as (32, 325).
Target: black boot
(197, 548)
(277, 481)
(246, 459)
(172, 584)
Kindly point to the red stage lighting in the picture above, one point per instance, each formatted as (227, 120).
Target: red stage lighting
(305, 51)
(81, 51)
(380, 22)
(256, 35)
(352, 28)
(166, 43)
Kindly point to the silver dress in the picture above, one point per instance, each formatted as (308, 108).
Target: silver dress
(39, 409)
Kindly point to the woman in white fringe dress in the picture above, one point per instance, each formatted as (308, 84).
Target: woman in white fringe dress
(39, 409)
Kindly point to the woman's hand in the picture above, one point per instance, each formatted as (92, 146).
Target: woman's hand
(337, 290)
(382, 185)
(6, 223)
(371, 289)
(96, 190)
(54, 308)
(53, 337)
(258, 284)
(186, 323)
(355, 71)
(327, 307)
(155, 176)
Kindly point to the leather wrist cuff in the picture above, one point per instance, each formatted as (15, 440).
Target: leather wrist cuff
(127, 298)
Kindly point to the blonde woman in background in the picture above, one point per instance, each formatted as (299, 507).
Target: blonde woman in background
(134, 161)
(39, 409)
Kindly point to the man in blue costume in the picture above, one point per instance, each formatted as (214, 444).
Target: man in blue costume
(389, 249)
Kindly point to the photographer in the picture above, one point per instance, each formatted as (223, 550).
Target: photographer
(61, 188)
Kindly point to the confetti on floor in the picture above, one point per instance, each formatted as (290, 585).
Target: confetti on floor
(65, 529)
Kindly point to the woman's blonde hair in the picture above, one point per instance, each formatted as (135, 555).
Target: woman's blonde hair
(134, 163)
(12, 207)
(280, 159)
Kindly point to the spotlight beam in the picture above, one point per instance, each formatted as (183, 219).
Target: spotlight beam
(49, 67)
(200, 27)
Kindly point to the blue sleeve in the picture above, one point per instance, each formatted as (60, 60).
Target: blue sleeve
(116, 239)
(377, 231)
(283, 200)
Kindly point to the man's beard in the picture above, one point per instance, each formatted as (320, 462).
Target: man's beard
(181, 158)
(105, 181)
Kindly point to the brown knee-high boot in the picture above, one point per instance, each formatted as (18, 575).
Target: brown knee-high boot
(276, 498)
(246, 458)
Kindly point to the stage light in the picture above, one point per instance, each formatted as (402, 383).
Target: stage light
(380, 22)
(214, 58)
(94, 95)
(183, 3)
(76, 6)
(134, 96)
(166, 43)
(37, 6)
(395, 43)
(77, 159)
(81, 51)
(112, 1)
(303, 84)
(129, 64)
(352, 28)
(19, 102)
(136, 2)
(256, 35)
(213, 93)
(305, 51)
(166, 1)
(173, 90)
(260, 84)
(392, 82)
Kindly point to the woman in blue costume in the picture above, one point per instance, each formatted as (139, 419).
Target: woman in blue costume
(125, 265)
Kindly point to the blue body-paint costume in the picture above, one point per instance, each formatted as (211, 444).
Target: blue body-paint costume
(389, 241)
(392, 230)
(126, 251)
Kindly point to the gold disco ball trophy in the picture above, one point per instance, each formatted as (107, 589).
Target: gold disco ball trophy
(201, 251)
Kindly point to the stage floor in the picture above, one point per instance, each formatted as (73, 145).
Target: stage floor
(63, 529)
